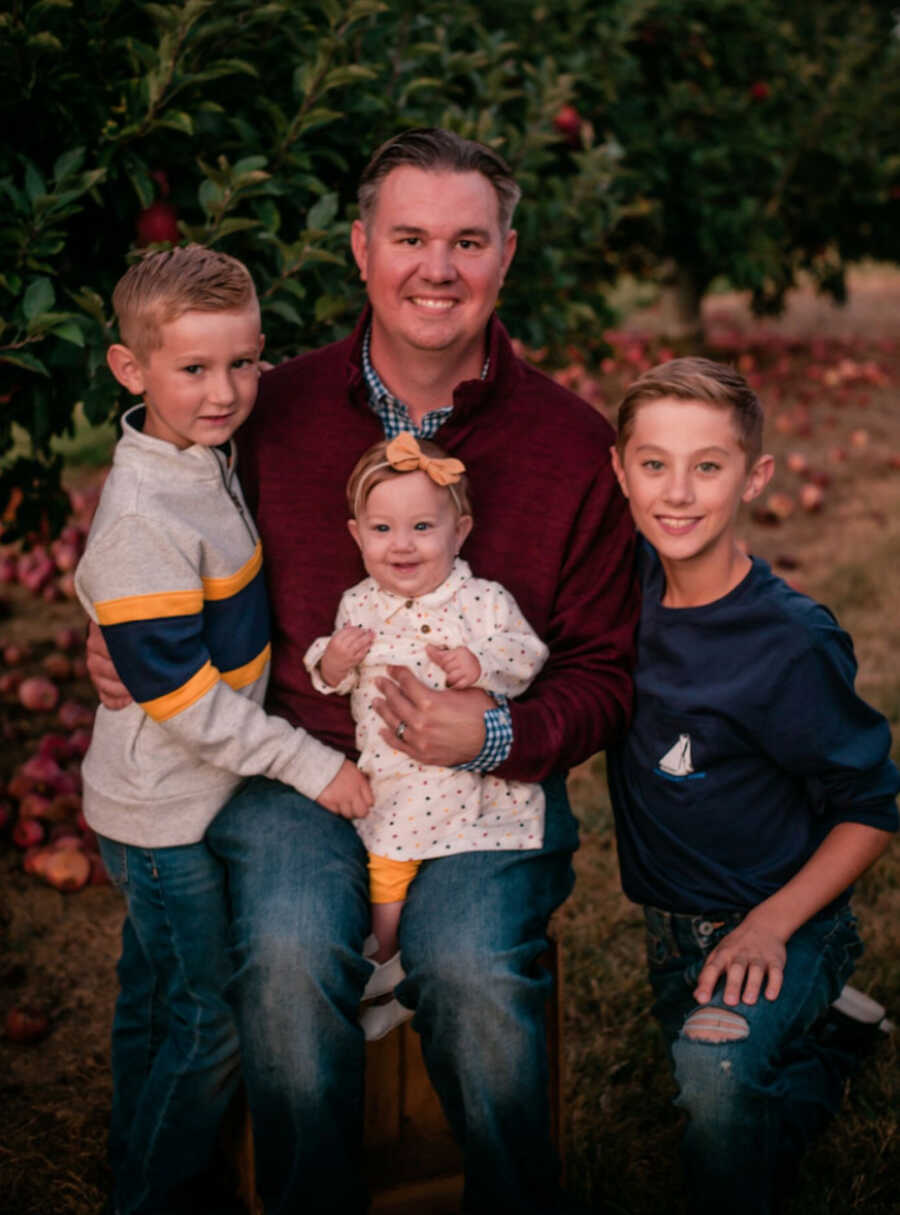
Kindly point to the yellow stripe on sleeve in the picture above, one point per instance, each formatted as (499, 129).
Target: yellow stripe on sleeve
(164, 707)
(240, 677)
(149, 607)
(224, 588)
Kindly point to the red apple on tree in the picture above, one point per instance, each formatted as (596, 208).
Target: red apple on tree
(158, 223)
(568, 123)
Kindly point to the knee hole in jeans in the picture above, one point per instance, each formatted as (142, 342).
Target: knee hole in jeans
(713, 1024)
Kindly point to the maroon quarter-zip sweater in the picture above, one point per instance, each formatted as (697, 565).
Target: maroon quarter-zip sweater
(550, 524)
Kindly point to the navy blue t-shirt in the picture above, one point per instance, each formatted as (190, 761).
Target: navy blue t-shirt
(748, 744)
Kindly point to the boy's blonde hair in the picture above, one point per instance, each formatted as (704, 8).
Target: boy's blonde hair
(163, 286)
(696, 379)
(372, 468)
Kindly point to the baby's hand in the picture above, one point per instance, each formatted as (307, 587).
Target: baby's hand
(346, 650)
(460, 665)
(349, 794)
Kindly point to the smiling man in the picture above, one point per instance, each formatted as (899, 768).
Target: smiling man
(433, 244)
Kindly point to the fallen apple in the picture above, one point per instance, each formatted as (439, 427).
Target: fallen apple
(25, 1024)
(811, 497)
(67, 869)
(39, 694)
(27, 832)
(58, 666)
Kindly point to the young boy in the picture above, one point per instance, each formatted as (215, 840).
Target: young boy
(753, 788)
(172, 572)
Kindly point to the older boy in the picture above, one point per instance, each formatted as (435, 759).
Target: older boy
(173, 574)
(753, 788)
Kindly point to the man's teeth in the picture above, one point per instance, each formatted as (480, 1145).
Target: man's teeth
(436, 305)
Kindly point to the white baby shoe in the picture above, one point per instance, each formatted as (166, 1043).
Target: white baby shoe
(384, 978)
(377, 1020)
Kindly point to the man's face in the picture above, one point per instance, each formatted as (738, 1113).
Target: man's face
(433, 258)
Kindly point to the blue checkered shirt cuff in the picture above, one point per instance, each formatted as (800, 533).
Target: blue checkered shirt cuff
(498, 739)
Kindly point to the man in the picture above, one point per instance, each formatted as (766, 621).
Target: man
(433, 244)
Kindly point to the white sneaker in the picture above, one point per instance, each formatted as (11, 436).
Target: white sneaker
(856, 1006)
(384, 978)
(377, 1020)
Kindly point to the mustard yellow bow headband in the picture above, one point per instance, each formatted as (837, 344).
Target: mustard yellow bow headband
(405, 454)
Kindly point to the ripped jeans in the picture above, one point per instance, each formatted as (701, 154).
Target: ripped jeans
(755, 1100)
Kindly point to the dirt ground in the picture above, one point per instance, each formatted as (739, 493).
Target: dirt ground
(59, 951)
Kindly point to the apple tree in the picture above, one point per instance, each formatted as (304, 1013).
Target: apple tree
(244, 127)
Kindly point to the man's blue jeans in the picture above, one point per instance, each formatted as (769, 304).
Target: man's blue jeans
(174, 1043)
(755, 1102)
(471, 932)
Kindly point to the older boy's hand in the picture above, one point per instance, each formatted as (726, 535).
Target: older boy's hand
(460, 665)
(747, 957)
(103, 675)
(346, 650)
(349, 794)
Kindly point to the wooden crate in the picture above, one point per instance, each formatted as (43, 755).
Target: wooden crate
(413, 1163)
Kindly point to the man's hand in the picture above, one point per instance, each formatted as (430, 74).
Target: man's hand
(346, 650)
(349, 794)
(749, 954)
(460, 665)
(103, 675)
(442, 728)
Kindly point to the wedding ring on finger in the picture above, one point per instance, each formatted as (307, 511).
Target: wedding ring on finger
(400, 729)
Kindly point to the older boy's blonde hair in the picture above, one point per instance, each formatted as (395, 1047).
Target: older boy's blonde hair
(372, 468)
(163, 286)
(696, 379)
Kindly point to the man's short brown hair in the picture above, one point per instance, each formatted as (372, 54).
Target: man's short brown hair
(162, 286)
(372, 468)
(696, 379)
(437, 151)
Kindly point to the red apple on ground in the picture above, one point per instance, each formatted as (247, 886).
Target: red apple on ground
(58, 666)
(812, 497)
(74, 716)
(26, 1024)
(38, 693)
(27, 833)
(67, 869)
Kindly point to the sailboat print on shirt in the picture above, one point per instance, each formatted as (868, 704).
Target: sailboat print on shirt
(677, 763)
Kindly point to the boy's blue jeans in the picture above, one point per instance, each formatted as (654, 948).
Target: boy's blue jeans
(471, 932)
(174, 1043)
(753, 1103)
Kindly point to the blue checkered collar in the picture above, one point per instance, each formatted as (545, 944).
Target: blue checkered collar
(394, 414)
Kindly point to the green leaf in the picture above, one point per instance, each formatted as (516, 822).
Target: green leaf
(350, 73)
(283, 309)
(45, 41)
(34, 183)
(317, 117)
(235, 224)
(177, 120)
(39, 298)
(21, 358)
(322, 212)
(211, 196)
(67, 164)
(249, 164)
(69, 332)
